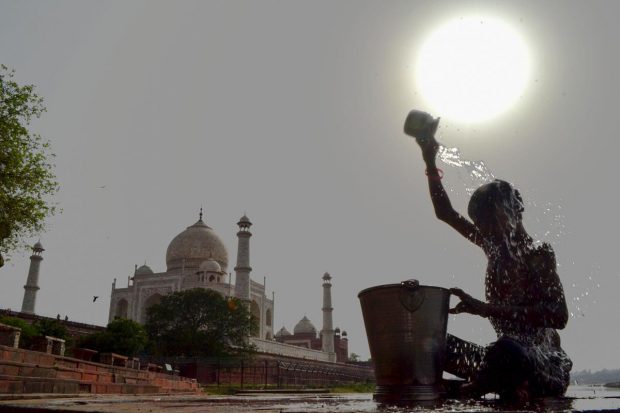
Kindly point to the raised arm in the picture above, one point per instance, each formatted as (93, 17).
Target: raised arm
(441, 203)
(443, 207)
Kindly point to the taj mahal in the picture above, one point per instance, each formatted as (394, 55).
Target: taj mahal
(197, 257)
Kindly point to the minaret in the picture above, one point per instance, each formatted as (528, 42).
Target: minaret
(242, 269)
(32, 284)
(327, 334)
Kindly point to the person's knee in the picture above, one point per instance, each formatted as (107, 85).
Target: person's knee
(508, 350)
(506, 364)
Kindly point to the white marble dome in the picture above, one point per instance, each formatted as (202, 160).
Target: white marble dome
(304, 327)
(195, 245)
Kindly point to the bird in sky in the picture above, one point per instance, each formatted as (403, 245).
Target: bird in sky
(95, 298)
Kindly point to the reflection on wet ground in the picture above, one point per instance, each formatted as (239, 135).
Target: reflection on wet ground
(578, 398)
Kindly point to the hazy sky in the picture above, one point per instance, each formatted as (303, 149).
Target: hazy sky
(293, 112)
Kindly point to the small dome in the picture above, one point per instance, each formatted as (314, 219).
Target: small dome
(144, 270)
(283, 332)
(38, 246)
(210, 265)
(337, 330)
(304, 327)
(327, 277)
(344, 333)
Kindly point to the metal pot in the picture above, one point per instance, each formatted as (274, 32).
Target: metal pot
(406, 327)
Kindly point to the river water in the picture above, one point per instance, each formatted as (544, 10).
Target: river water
(578, 398)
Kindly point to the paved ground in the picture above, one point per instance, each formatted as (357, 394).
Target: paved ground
(578, 399)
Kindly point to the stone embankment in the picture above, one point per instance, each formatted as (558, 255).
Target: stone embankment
(25, 371)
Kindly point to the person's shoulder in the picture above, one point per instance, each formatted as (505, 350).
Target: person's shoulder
(544, 249)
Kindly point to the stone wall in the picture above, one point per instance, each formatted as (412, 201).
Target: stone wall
(74, 328)
(288, 350)
(268, 371)
(25, 371)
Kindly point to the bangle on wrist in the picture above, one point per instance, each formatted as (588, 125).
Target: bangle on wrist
(435, 174)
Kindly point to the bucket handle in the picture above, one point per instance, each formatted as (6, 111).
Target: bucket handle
(411, 296)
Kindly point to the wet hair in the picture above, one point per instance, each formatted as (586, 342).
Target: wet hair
(487, 199)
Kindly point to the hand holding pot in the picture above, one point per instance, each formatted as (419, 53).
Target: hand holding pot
(422, 126)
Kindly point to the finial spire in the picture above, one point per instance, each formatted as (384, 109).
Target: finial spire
(200, 215)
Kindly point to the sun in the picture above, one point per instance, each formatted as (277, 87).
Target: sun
(472, 69)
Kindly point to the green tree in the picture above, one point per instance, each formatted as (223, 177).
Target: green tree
(28, 330)
(26, 177)
(53, 328)
(121, 336)
(199, 322)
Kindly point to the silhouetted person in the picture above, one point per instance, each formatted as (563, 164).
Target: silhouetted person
(524, 296)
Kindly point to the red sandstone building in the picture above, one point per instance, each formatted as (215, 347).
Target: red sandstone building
(305, 335)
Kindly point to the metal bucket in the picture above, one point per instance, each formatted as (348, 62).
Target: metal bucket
(406, 327)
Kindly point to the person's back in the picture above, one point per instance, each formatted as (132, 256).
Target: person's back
(524, 279)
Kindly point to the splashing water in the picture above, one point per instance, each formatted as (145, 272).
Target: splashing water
(583, 293)
(548, 217)
(476, 172)
(549, 220)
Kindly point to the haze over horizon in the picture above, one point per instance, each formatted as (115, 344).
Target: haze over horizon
(292, 112)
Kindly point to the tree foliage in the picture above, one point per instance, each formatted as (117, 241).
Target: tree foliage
(26, 176)
(42, 327)
(28, 331)
(121, 336)
(53, 328)
(199, 322)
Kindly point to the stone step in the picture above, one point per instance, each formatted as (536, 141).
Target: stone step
(26, 356)
(102, 382)
(21, 385)
(34, 370)
(43, 360)
(25, 371)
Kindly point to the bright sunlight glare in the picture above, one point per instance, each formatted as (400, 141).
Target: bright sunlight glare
(472, 69)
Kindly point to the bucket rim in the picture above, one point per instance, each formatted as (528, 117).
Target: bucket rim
(386, 286)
